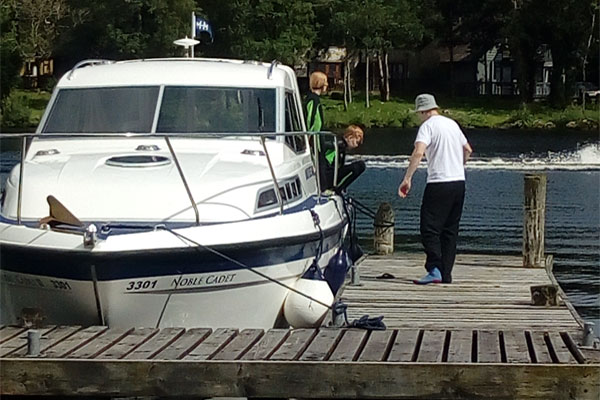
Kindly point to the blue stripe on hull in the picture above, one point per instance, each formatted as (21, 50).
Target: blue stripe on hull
(159, 262)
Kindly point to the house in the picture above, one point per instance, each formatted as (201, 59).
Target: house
(37, 72)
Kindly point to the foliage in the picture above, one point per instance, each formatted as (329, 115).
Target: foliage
(265, 30)
(23, 110)
(117, 29)
(37, 23)
(15, 111)
(9, 52)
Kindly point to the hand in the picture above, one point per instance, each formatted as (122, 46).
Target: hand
(404, 188)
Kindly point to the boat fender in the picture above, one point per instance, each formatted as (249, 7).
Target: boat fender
(303, 312)
(337, 268)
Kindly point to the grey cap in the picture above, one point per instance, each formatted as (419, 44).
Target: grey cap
(425, 102)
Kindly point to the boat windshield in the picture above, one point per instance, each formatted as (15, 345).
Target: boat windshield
(103, 110)
(183, 110)
(216, 109)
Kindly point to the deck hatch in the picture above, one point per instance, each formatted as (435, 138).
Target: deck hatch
(138, 161)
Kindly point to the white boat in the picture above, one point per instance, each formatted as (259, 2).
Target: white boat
(147, 198)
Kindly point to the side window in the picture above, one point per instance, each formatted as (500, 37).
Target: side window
(292, 124)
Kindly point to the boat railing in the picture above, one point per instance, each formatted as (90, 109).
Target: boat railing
(262, 136)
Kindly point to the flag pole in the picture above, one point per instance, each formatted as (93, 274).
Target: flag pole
(193, 33)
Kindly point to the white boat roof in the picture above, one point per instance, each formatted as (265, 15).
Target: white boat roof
(180, 72)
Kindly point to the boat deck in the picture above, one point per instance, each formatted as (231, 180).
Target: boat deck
(465, 340)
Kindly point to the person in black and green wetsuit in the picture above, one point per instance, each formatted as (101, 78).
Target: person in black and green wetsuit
(347, 172)
(314, 110)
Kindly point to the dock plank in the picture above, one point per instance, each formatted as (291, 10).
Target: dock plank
(349, 346)
(267, 345)
(461, 346)
(321, 346)
(74, 342)
(9, 332)
(183, 344)
(563, 354)
(212, 344)
(377, 346)
(239, 345)
(432, 346)
(129, 343)
(100, 343)
(294, 345)
(488, 347)
(404, 346)
(542, 354)
(515, 345)
(156, 344)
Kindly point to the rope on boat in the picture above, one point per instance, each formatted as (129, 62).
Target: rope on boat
(236, 262)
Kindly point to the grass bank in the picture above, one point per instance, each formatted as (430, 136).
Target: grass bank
(477, 112)
(23, 110)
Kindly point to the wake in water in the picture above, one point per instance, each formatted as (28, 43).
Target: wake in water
(585, 158)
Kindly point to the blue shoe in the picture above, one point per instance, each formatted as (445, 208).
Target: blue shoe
(434, 276)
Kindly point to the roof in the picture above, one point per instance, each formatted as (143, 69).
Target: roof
(178, 71)
(461, 52)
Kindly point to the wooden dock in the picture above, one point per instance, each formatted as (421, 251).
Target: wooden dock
(488, 292)
(479, 337)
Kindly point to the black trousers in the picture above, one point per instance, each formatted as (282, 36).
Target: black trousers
(347, 174)
(441, 210)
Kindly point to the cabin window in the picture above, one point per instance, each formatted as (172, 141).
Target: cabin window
(292, 124)
(103, 110)
(216, 110)
(290, 190)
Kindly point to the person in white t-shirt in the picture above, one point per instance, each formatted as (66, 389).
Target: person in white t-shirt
(447, 150)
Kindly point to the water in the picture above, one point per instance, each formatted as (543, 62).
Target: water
(493, 213)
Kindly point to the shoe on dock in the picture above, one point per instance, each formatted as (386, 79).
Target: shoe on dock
(434, 276)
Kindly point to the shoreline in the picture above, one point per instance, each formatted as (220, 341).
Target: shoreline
(470, 113)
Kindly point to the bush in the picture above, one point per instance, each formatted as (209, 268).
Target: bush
(15, 111)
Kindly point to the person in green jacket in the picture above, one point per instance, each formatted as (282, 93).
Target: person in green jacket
(314, 110)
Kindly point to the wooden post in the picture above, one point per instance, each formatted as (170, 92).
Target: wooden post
(544, 295)
(383, 242)
(33, 342)
(534, 220)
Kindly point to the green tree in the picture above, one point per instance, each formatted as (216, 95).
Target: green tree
(371, 27)
(266, 30)
(10, 56)
(566, 29)
(119, 29)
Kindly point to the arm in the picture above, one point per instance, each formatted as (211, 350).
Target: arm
(467, 150)
(415, 160)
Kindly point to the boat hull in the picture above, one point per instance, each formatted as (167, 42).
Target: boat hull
(228, 285)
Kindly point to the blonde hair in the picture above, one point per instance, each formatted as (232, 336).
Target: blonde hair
(354, 131)
(318, 80)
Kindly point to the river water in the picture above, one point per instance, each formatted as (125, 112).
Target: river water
(493, 212)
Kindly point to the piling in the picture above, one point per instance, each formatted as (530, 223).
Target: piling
(534, 220)
(383, 242)
(33, 343)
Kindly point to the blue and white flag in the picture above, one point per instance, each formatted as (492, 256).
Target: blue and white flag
(202, 26)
